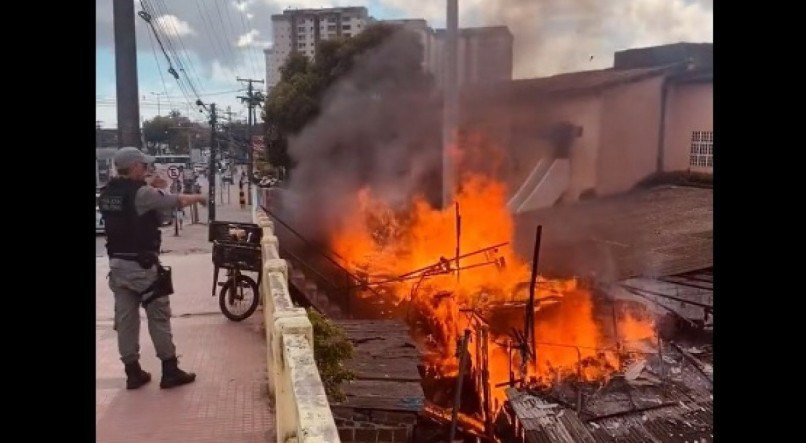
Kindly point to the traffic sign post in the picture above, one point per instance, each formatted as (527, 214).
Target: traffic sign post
(173, 172)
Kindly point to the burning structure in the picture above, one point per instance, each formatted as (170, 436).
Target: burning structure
(476, 300)
(451, 273)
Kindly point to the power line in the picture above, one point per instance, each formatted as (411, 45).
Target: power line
(159, 68)
(208, 94)
(213, 34)
(249, 54)
(226, 30)
(147, 14)
(167, 35)
(184, 50)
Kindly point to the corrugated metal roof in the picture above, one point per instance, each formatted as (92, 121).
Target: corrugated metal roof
(681, 419)
(546, 422)
(686, 422)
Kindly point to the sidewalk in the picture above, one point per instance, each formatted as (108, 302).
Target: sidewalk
(229, 400)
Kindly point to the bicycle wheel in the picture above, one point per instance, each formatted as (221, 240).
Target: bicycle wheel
(238, 298)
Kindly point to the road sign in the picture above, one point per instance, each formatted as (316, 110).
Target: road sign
(173, 172)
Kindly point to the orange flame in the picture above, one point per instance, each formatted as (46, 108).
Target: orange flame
(381, 244)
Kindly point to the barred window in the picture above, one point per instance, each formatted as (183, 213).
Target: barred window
(702, 149)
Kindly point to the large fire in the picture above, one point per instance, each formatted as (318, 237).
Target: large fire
(386, 246)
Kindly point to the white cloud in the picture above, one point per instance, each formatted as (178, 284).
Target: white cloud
(313, 4)
(173, 25)
(241, 6)
(553, 36)
(247, 39)
(221, 73)
(249, 15)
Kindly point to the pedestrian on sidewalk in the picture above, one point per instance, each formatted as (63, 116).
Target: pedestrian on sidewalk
(133, 211)
(241, 195)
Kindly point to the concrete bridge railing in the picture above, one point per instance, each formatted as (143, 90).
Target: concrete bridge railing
(301, 408)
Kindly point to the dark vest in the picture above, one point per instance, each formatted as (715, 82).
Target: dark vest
(125, 230)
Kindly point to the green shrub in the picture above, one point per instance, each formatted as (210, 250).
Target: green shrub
(330, 348)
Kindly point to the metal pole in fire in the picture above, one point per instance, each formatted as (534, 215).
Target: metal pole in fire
(485, 382)
(451, 105)
(457, 399)
(458, 236)
(530, 307)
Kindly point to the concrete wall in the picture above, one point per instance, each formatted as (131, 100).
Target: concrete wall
(584, 111)
(689, 108)
(628, 149)
(526, 143)
(302, 410)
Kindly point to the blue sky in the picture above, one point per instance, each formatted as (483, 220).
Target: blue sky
(218, 40)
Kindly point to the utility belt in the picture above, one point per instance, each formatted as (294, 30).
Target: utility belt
(162, 286)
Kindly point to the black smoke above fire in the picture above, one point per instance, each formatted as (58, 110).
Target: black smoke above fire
(379, 126)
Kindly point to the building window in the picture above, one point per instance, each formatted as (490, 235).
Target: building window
(345, 27)
(331, 27)
(301, 29)
(346, 34)
(301, 45)
(702, 149)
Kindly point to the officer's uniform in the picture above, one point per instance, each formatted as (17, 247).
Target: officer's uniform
(132, 213)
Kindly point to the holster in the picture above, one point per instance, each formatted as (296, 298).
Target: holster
(147, 259)
(162, 286)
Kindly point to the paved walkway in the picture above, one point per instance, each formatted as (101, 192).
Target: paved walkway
(229, 400)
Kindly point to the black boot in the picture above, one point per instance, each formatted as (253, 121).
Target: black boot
(136, 376)
(173, 376)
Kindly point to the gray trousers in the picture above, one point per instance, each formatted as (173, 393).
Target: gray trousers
(127, 279)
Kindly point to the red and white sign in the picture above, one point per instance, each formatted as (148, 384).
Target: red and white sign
(258, 145)
(173, 172)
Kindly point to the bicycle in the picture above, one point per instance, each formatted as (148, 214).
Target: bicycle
(239, 295)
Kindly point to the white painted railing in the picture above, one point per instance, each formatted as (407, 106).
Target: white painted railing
(302, 411)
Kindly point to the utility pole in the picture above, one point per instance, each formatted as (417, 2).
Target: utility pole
(211, 175)
(229, 114)
(251, 99)
(450, 114)
(128, 109)
(158, 94)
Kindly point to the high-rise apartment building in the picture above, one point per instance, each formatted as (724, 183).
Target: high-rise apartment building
(484, 54)
(301, 30)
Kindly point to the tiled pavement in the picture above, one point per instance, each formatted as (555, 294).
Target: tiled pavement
(227, 402)
(229, 399)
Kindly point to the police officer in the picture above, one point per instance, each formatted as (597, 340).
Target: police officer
(132, 212)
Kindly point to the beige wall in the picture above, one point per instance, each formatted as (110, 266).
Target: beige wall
(516, 126)
(690, 107)
(628, 149)
(584, 111)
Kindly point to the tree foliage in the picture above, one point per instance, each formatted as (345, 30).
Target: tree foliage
(330, 348)
(296, 99)
(173, 133)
